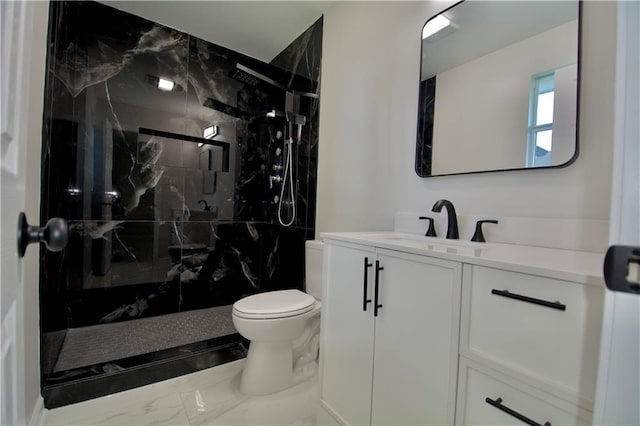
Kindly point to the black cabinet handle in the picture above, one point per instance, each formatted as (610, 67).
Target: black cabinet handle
(498, 404)
(376, 306)
(507, 293)
(367, 265)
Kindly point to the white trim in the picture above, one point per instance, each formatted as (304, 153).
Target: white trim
(618, 389)
(39, 414)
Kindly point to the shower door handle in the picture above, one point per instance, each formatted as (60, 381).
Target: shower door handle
(54, 234)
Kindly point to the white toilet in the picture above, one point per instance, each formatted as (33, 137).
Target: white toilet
(283, 327)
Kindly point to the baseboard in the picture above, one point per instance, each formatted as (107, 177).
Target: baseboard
(332, 413)
(38, 414)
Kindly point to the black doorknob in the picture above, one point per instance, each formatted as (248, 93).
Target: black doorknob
(54, 234)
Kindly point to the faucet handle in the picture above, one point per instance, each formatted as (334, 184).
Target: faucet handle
(431, 232)
(478, 236)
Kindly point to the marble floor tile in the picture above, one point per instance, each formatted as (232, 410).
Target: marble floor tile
(214, 399)
(208, 397)
(166, 410)
(295, 406)
(203, 378)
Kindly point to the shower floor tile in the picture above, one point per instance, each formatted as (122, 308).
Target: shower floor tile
(103, 343)
(213, 393)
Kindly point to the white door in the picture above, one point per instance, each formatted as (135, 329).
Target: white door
(618, 390)
(416, 341)
(347, 333)
(24, 26)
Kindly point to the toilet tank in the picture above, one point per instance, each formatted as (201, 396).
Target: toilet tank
(313, 268)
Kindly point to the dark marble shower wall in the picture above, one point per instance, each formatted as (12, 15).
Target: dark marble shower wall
(122, 163)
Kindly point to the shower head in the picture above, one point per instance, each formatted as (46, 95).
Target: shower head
(251, 77)
(244, 77)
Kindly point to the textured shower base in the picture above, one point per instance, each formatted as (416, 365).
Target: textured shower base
(102, 343)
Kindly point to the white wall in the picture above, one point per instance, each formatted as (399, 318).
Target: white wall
(368, 116)
(491, 93)
(618, 390)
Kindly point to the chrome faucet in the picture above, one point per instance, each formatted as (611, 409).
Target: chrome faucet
(452, 224)
(274, 179)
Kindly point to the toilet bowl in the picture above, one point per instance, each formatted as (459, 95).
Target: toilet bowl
(283, 328)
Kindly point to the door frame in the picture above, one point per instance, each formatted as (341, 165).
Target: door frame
(618, 390)
(24, 33)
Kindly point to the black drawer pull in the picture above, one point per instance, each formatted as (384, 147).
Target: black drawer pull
(376, 305)
(507, 293)
(498, 404)
(367, 265)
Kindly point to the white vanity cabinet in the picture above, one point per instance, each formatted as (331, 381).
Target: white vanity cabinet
(466, 334)
(397, 363)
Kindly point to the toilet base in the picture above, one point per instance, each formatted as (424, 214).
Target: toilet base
(268, 369)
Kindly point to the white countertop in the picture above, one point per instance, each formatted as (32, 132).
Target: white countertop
(577, 266)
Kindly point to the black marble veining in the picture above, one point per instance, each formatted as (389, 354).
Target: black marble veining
(159, 224)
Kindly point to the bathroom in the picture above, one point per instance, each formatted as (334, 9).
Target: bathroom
(367, 120)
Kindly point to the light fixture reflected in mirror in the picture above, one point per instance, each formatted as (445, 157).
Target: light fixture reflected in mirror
(434, 26)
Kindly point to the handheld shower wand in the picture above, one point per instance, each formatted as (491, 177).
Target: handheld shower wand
(287, 180)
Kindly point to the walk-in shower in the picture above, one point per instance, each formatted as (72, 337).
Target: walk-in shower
(170, 195)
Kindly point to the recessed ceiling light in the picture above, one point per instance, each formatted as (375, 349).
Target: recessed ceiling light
(434, 25)
(164, 84)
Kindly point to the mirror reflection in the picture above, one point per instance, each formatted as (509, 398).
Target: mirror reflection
(498, 87)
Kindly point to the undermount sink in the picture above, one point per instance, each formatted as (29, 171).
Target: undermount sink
(442, 245)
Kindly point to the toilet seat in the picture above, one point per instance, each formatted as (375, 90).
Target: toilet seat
(274, 304)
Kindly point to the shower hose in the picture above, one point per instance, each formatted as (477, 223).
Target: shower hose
(287, 181)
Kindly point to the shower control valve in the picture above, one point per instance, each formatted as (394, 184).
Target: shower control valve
(274, 179)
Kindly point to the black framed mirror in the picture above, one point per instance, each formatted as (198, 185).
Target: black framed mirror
(499, 87)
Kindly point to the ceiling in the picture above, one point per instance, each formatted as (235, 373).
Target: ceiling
(486, 26)
(260, 29)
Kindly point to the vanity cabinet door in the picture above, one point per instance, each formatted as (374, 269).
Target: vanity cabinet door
(416, 340)
(347, 330)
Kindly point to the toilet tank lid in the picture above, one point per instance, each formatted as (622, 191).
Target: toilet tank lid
(273, 302)
(314, 244)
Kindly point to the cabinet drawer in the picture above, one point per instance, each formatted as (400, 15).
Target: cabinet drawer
(544, 328)
(490, 401)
